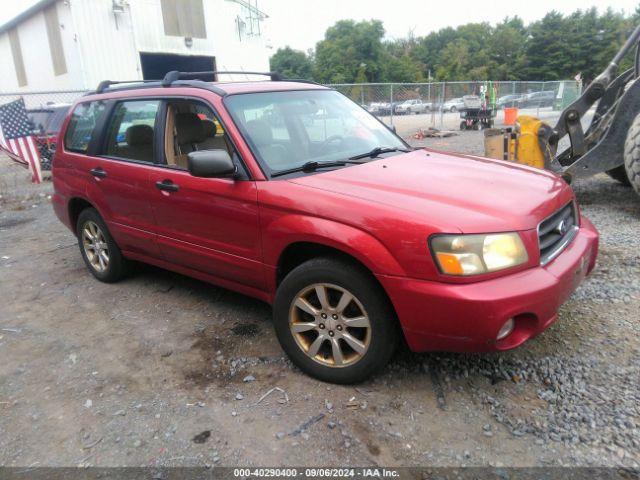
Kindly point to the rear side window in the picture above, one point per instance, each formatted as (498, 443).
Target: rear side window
(54, 123)
(132, 130)
(39, 118)
(80, 127)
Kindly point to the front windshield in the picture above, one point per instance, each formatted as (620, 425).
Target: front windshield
(290, 128)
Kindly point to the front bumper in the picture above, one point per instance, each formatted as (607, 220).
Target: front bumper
(467, 317)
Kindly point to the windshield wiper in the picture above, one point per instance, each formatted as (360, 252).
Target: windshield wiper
(377, 151)
(313, 166)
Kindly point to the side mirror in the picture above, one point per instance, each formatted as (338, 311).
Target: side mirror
(211, 164)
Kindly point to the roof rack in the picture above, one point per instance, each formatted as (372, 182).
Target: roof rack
(192, 79)
(103, 85)
(174, 75)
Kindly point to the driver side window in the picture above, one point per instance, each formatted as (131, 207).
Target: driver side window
(192, 126)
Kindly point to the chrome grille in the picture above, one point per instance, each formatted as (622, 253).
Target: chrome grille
(556, 232)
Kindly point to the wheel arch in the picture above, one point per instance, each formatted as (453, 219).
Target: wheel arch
(298, 236)
(75, 206)
(297, 253)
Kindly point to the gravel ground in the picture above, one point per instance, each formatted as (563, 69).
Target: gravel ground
(164, 370)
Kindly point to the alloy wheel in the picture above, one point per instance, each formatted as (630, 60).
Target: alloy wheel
(95, 246)
(330, 325)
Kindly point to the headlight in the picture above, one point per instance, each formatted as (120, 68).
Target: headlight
(475, 254)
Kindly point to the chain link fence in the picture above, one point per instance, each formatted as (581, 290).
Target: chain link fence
(438, 104)
(409, 107)
(40, 100)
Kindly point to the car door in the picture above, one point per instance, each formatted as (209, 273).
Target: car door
(206, 224)
(116, 178)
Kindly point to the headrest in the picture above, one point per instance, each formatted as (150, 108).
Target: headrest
(260, 132)
(189, 128)
(210, 128)
(139, 135)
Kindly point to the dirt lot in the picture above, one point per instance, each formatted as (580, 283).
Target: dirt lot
(161, 369)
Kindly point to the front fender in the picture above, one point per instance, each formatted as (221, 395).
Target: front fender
(293, 228)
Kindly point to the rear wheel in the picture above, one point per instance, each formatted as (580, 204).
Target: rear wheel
(334, 321)
(632, 154)
(99, 251)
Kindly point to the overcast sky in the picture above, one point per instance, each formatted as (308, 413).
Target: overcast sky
(302, 23)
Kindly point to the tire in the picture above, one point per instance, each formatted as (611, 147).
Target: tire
(91, 230)
(463, 125)
(632, 154)
(453, 109)
(619, 174)
(369, 305)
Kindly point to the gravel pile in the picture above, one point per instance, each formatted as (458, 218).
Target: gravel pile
(615, 210)
(582, 394)
(587, 401)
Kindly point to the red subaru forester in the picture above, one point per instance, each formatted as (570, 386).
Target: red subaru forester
(289, 192)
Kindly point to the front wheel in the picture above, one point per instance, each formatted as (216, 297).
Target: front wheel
(334, 321)
(632, 154)
(453, 110)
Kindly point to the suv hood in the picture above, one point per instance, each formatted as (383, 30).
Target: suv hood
(470, 194)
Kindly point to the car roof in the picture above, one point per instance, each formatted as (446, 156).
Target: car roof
(207, 81)
(231, 88)
(221, 89)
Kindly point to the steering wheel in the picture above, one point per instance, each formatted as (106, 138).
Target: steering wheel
(331, 139)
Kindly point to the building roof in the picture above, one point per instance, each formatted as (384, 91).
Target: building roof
(29, 12)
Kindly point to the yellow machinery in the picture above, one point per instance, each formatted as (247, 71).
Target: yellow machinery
(594, 146)
(525, 144)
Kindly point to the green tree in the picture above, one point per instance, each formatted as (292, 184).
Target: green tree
(553, 48)
(346, 46)
(506, 48)
(399, 65)
(549, 48)
(291, 63)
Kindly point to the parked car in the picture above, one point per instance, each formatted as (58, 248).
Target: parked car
(512, 100)
(380, 108)
(538, 99)
(453, 105)
(355, 239)
(46, 122)
(412, 106)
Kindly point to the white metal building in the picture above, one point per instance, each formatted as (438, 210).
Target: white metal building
(75, 44)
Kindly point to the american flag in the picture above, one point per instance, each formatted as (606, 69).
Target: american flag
(16, 139)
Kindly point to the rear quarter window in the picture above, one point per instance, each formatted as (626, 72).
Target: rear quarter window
(56, 119)
(81, 126)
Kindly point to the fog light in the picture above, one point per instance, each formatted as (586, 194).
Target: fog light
(506, 329)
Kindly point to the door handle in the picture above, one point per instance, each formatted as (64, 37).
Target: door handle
(98, 172)
(167, 186)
